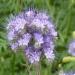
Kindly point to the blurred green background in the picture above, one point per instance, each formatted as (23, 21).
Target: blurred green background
(62, 13)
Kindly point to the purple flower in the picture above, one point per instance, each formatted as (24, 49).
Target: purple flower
(17, 23)
(49, 54)
(61, 72)
(11, 35)
(38, 38)
(14, 46)
(32, 54)
(36, 32)
(24, 40)
(71, 49)
(42, 15)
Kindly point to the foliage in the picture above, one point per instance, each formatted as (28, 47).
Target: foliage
(62, 13)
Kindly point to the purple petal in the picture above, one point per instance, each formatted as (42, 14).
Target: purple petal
(38, 38)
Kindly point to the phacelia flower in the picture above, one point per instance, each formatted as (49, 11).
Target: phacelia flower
(33, 54)
(71, 49)
(24, 40)
(66, 73)
(33, 31)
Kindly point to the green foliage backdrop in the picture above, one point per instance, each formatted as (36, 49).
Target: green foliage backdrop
(62, 13)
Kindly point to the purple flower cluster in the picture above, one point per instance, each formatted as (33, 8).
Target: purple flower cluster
(34, 32)
(71, 49)
(66, 73)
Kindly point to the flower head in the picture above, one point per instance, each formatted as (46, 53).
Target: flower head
(34, 32)
(33, 54)
(66, 73)
(71, 49)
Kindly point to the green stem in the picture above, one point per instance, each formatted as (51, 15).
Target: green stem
(37, 68)
(28, 67)
(13, 64)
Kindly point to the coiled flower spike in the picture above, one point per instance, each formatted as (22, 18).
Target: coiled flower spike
(71, 48)
(34, 32)
(66, 73)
